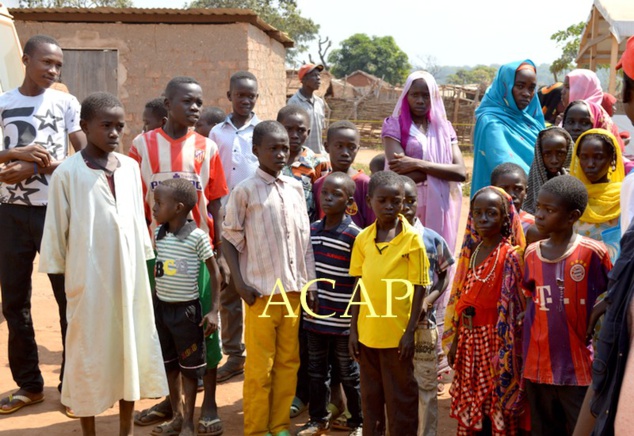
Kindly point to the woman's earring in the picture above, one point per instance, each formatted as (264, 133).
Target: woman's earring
(613, 165)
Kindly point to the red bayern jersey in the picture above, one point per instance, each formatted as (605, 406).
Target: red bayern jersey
(561, 294)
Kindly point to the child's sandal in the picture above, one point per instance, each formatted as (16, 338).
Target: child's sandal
(170, 428)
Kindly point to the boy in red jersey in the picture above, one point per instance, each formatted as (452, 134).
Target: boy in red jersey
(177, 151)
(563, 277)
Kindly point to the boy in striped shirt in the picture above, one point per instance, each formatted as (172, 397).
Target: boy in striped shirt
(180, 247)
(332, 239)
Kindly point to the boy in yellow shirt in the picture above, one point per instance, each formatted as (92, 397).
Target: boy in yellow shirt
(389, 259)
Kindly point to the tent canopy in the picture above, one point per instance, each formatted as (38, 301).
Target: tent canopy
(610, 24)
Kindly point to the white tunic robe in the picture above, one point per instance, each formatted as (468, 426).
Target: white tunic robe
(101, 245)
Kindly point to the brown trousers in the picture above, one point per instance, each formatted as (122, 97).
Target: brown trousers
(387, 384)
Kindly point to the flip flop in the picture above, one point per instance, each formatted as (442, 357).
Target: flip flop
(335, 412)
(70, 412)
(170, 428)
(25, 401)
(297, 407)
(211, 426)
(152, 416)
(341, 422)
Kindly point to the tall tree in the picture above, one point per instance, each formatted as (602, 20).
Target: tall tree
(75, 3)
(480, 74)
(377, 55)
(281, 14)
(569, 40)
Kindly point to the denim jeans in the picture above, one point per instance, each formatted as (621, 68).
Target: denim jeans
(320, 346)
(21, 230)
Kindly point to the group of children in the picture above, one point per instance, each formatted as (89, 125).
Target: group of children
(337, 275)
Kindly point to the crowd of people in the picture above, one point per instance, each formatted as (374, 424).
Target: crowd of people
(326, 286)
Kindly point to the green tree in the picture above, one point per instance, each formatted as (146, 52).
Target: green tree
(281, 14)
(378, 55)
(75, 3)
(569, 41)
(480, 74)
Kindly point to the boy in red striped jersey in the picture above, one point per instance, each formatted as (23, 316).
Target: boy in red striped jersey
(563, 277)
(177, 151)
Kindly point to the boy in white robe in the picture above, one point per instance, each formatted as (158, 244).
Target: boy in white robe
(95, 234)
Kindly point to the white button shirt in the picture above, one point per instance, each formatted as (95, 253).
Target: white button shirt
(235, 149)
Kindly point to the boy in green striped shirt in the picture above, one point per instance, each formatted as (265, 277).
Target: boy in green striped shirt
(180, 247)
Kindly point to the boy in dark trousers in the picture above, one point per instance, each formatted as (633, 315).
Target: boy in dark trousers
(563, 276)
(234, 138)
(328, 333)
(37, 123)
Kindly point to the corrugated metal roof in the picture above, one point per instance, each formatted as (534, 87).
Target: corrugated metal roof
(151, 16)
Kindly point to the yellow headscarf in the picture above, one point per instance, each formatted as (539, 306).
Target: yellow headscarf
(604, 199)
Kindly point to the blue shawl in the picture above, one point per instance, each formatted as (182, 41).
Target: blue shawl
(503, 133)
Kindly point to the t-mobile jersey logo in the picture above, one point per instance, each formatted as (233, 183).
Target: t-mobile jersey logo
(544, 297)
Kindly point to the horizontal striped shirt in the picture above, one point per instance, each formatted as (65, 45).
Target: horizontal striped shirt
(178, 258)
(333, 249)
(266, 221)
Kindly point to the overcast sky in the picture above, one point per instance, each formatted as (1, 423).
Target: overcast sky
(455, 32)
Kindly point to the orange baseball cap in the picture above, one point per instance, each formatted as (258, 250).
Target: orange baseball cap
(627, 59)
(307, 68)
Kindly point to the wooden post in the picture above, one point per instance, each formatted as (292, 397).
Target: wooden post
(614, 54)
(456, 104)
(593, 35)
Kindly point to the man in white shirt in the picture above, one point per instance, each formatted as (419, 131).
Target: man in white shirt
(234, 139)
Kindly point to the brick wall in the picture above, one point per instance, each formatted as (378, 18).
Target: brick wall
(266, 61)
(151, 54)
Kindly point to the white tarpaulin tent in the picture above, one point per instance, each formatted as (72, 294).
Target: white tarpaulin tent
(610, 24)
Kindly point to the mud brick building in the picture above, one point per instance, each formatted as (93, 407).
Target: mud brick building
(133, 52)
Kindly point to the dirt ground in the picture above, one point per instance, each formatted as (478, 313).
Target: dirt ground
(48, 418)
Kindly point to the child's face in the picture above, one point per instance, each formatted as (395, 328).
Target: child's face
(185, 105)
(297, 127)
(524, 88)
(577, 121)
(342, 147)
(386, 202)
(44, 66)
(104, 130)
(551, 216)
(411, 201)
(334, 198)
(203, 128)
(595, 157)
(419, 99)
(151, 121)
(165, 208)
(273, 152)
(488, 216)
(243, 95)
(515, 186)
(554, 152)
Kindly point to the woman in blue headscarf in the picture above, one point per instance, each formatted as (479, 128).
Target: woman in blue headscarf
(507, 122)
